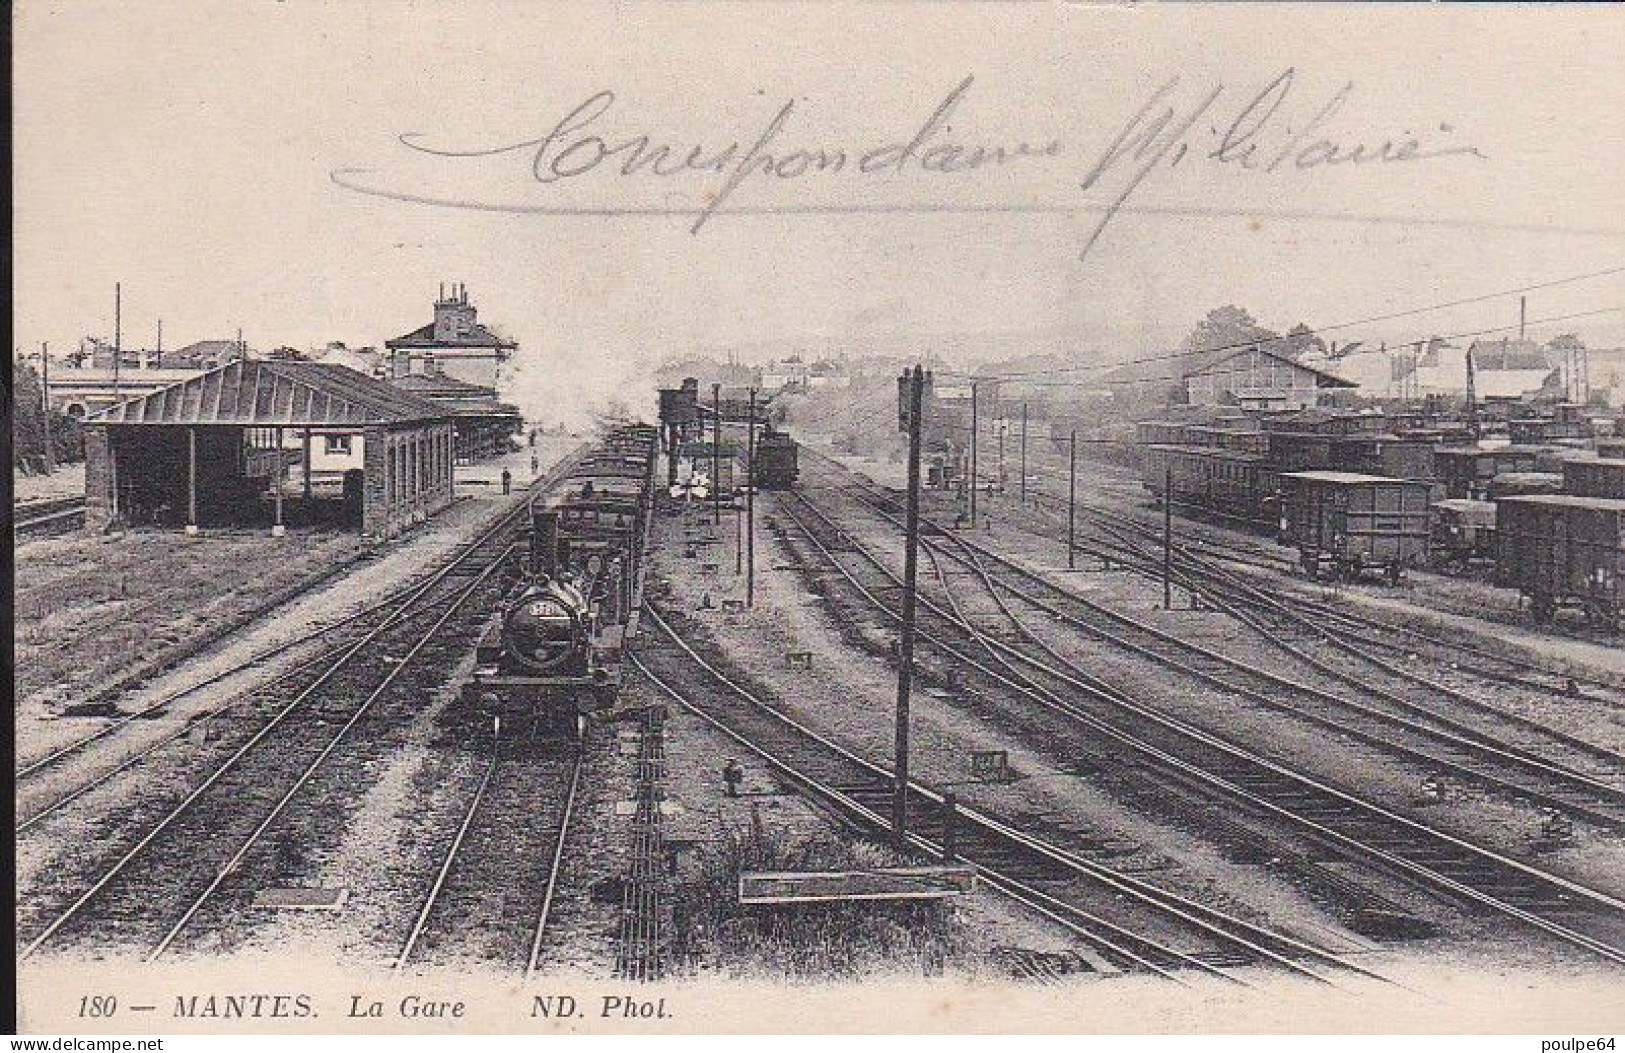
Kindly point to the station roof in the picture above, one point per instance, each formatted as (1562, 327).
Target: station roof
(258, 393)
(457, 397)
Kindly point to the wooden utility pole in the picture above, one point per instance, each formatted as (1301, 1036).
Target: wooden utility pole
(974, 426)
(1167, 537)
(905, 649)
(750, 507)
(1072, 504)
(118, 338)
(191, 480)
(1024, 454)
(716, 454)
(45, 406)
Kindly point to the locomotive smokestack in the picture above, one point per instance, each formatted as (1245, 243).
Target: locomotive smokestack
(544, 543)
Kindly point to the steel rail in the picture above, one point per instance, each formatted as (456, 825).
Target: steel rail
(265, 824)
(1453, 734)
(554, 866)
(451, 850)
(1167, 902)
(1427, 875)
(1079, 922)
(231, 762)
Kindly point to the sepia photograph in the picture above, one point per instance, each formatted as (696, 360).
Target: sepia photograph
(713, 517)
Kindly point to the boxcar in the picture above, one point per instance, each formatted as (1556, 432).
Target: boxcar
(1601, 477)
(1347, 525)
(1301, 451)
(1564, 551)
(1613, 449)
(1463, 530)
(1467, 472)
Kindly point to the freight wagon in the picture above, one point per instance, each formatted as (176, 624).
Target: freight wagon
(1527, 432)
(1602, 477)
(1463, 531)
(1564, 551)
(1235, 486)
(1467, 472)
(1347, 525)
(1327, 422)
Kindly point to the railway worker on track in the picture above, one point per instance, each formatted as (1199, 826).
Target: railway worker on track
(507, 482)
(732, 776)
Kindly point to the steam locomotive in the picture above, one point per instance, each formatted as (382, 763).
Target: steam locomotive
(550, 655)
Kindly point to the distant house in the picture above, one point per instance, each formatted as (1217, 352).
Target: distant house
(455, 344)
(828, 374)
(1251, 377)
(205, 354)
(368, 361)
(1509, 368)
(791, 374)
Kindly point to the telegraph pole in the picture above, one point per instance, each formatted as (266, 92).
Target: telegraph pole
(45, 405)
(716, 454)
(1024, 454)
(973, 445)
(905, 650)
(118, 329)
(1072, 504)
(750, 509)
(1167, 537)
(1001, 459)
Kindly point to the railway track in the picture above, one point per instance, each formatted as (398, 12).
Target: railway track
(401, 604)
(1136, 925)
(1124, 534)
(198, 851)
(512, 837)
(1362, 653)
(41, 518)
(1337, 819)
(1511, 754)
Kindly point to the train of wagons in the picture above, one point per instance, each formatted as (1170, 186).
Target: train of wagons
(549, 657)
(1359, 498)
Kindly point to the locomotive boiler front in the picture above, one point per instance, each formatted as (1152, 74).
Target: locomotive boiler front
(545, 630)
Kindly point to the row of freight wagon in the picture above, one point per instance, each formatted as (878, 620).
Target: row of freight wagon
(1561, 548)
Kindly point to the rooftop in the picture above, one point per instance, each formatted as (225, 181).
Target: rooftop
(260, 393)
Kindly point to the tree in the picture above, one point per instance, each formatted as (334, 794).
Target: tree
(1299, 341)
(28, 423)
(1227, 326)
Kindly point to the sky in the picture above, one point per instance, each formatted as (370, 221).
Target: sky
(194, 152)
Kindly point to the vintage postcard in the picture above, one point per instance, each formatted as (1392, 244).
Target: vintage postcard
(865, 517)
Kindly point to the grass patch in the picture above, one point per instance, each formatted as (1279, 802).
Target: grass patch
(808, 942)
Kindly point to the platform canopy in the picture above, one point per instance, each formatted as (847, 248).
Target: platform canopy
(270, 394)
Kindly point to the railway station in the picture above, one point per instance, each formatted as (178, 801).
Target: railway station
(217, 450)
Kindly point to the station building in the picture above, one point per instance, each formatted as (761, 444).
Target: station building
(455, 345)
(215, 451)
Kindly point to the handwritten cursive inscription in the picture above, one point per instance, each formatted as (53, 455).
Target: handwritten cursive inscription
(572, 150)
(1263, 134)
